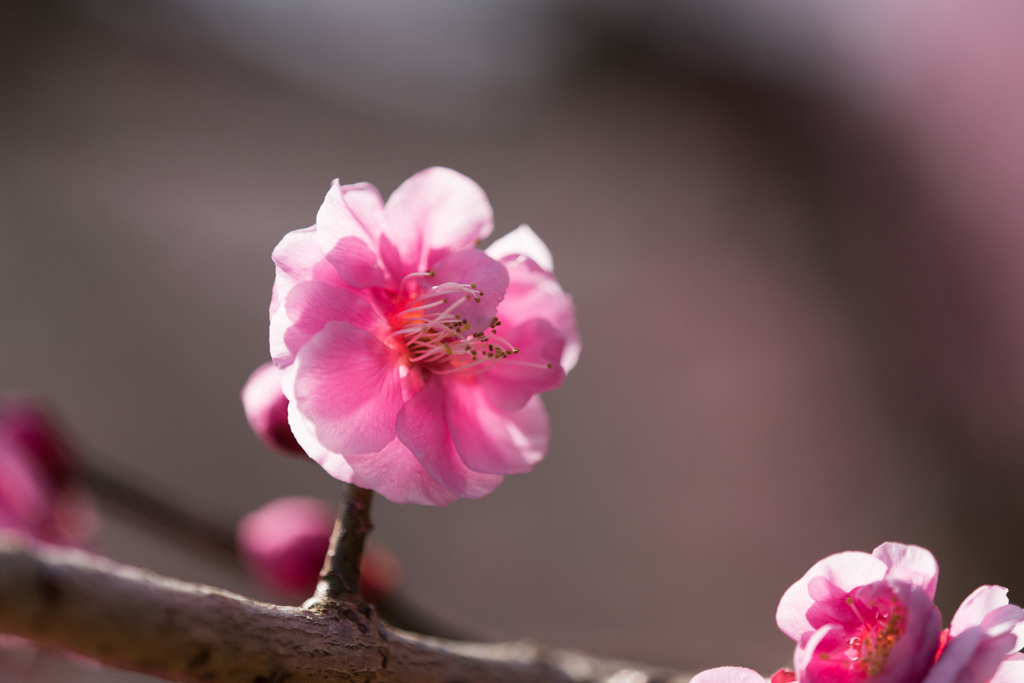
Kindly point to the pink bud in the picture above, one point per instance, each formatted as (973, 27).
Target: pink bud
(39, 496)
(284, 542)
(27, 426)
(266, 409)
(283, 545)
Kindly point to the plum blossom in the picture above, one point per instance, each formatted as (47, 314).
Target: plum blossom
(411, 360)
(857, 617)
(266, 409)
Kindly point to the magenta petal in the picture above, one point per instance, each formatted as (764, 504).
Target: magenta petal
(344, 386)
(910, 563)
(349, 224)
(356, 264)
(473, 267)
(511, 382)
(846, 570)
(435, 212)
(423, 429)
(913, 654)
(298, 259)
(308, 307)
(535, 293)
(395, 473)
(728, 674)
(495, 441)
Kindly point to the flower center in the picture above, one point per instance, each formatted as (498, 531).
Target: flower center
(881, 628)
(436, 334)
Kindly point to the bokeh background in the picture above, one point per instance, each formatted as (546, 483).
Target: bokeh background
(794, 232)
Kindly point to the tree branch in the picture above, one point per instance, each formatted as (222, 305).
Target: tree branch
(133, 619)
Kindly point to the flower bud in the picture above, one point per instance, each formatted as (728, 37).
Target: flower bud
(39, 495)
(26, 426)
(266, 409)
(283, 545)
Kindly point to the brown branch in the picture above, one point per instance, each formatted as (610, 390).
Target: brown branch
(127, 495)
(133, 619)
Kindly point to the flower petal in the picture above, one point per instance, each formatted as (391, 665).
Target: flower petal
(913, 654)
(535, 293)
(298, 259)
(510, 382)
(1010, 671)
(436, 212)
(490, 440)
(335, 464)
(307, 308)
(344, 388)
(971, 657)
(976, 606)
(473, 267)
(423, 429)
(349, 225)
(395, 473)
(910, 563)
(846, 571)
(522, 242)
(728, 674)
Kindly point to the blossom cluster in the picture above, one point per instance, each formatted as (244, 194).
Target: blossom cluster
(410, 360)
(857, 617)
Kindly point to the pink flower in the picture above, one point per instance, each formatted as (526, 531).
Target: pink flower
(985, 633)
(39, 497)
(728, 674)
(857, 616)
(411, 360)
(266, 409)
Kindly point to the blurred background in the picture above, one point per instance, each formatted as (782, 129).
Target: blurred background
(794, 232)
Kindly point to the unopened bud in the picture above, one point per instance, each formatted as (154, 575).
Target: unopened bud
(26, 426)
(283, 545)
(39, 494)
(266, 409)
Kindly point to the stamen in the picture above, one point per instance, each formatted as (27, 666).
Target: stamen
(434, 334)
(429, 273)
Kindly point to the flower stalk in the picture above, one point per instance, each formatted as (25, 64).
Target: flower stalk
(339, 577)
